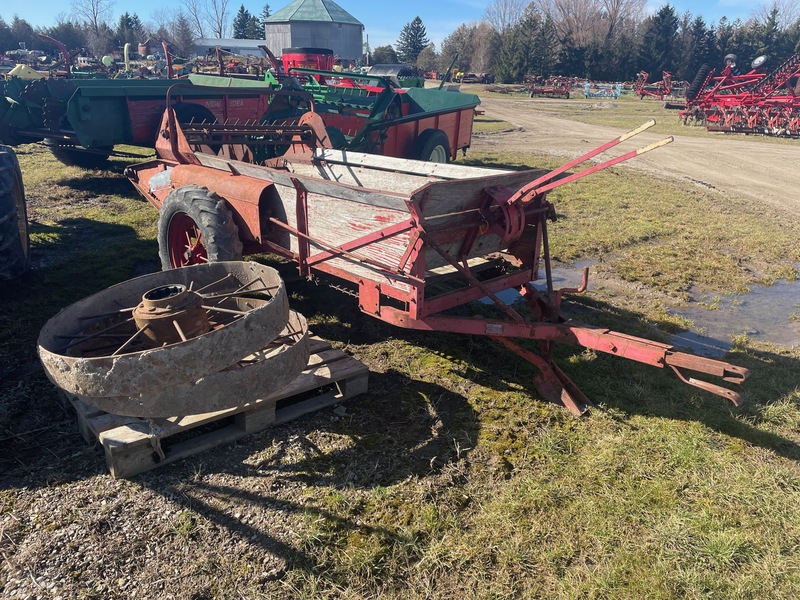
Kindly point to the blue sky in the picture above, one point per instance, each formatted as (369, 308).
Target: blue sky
(383, 20)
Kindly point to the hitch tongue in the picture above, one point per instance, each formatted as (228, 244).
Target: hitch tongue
(726, 371)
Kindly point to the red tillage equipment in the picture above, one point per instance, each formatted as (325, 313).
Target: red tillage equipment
(553, 87)
(754, 102)
(411, 240)
(658, 89)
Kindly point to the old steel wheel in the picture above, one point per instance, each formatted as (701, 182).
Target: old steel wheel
(143, 336)
(196, 226)
(255, 377)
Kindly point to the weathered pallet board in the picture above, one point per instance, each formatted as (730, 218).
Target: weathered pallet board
(134, 445)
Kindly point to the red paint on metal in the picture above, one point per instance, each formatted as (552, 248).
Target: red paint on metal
(506, 228)
(754, 102)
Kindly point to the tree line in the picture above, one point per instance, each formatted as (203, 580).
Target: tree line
(90, 27)
(602, 40)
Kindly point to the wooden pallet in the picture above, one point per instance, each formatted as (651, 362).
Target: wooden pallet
(133, 445)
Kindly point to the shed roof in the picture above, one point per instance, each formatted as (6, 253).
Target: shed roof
(313, 10)
(231, 42)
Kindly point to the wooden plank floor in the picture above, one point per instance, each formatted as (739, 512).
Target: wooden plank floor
(133, 445)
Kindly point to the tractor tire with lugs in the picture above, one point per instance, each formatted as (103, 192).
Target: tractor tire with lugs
(196, 226)
(697, 82)
(432, 145)
(14, 240)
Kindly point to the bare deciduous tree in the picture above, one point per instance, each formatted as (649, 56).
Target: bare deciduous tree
(583, 21)
(617, 12)
(93, 12)
(486, 43)
(788, 12)
(504, 14)
(195, 13)
(159, 19)
(217, 13)
(576, 20)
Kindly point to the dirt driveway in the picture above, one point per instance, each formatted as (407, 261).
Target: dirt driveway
(763, 172)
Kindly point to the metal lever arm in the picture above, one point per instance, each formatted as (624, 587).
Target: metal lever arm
(662, 355)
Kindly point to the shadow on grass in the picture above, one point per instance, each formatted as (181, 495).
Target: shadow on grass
(399, 429)
(99, 183)
(76, 258)
(609, 381)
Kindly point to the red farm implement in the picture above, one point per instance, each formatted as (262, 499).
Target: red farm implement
(659, 89)
(754, 102)
(553, 87)
(411, 240)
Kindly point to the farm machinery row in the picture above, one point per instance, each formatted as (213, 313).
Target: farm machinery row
(82, 120)
(751, 102)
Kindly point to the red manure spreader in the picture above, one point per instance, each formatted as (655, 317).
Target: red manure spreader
(411, 240)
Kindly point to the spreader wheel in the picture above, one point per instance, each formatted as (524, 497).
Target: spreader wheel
(432, 145)
(189, 112)
(196, 227)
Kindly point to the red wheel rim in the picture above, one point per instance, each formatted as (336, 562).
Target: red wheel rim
(186, 244)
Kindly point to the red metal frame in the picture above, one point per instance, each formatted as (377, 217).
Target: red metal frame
(658, 89)
(552, 87)
(396, 287)
(754, 102)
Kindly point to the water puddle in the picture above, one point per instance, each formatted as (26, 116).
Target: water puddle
(569, 277)
(767, 314)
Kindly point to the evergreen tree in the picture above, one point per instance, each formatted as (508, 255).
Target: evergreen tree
(22, 31)
(6, 39)
(383, 55)
(572, 59)
(659, 43)
(265, 14)
(698, 49)
(183, 35)
(724, 41)
(69, 33)
(254, 30)
(545, 49)
(768, 36)
(744, 43)
(528, 49)
(413, 40)
(129, 29)
(240, 23)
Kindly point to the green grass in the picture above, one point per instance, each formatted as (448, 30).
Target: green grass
(456, 480)
(662, 235)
